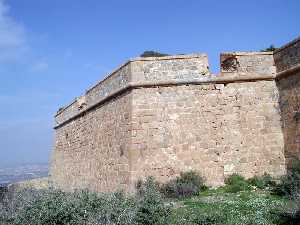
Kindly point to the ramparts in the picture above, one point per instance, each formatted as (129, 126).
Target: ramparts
(160, 116)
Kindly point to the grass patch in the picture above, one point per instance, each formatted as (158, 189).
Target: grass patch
(248, 207)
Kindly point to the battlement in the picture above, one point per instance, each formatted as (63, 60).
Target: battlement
(244, 63)
(171, 70)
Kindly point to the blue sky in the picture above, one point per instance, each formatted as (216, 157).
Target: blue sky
(52, 50)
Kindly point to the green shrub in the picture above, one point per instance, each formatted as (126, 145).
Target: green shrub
(14, 202)
(152, 54)
(236, 183)
(57, 207)
(271, 48)
(262, 182)
(142, 187)
(186, 185)
(52, 207)
(291, 215)
(290, 182)
(151, 208)
(118, 210)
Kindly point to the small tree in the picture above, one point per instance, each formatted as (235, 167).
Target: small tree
(269, 49)
(153, 54)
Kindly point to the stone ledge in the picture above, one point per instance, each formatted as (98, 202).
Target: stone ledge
(171, 57)
(289, 72)
(127, 63)
(246, 53)
(203, 81)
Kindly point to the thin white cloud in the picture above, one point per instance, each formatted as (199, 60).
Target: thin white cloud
(39, 67)
(12, 36)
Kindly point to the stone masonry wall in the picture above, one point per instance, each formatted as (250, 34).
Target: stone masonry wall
(160, 116)
(92, 146)
(244, 63)
(92, 151)
(171, 68)
(179, 67)
(287, 58)
(215, 129)
(289, 89)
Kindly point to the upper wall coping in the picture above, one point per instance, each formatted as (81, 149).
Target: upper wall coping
(246, 53)
(136, 59)
(204, 81)
(147, 59)
(171, 57)
(287, 45)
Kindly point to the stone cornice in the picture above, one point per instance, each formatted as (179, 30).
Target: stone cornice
(288, 72)
(205, 80)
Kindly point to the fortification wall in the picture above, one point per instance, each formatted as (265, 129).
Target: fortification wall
(91, 151)
(93, 133)
(287, 60)
(289, 89)
(216, 129)
(171, 68)
(161, 116)
(288, 55)
(245, 63)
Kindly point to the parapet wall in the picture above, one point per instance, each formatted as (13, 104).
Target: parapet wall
(160, 116)
(244, 63)
(287, 56)
(137, 71)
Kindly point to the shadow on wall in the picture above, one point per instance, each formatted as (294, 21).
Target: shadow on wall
(287, 61)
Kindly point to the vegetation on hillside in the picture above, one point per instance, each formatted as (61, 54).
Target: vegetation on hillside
(183, 201)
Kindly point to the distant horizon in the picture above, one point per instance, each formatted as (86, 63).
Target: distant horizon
(15, 165)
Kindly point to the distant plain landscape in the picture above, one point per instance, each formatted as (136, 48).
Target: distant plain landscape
(14, 174)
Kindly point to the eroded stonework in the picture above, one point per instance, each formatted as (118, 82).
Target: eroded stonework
(160, 116)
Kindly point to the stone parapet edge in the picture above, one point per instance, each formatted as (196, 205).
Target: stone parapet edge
(134, 85)
(287, 45)
(171, 57)
(289, 72)
(246, 53)
(209, 80)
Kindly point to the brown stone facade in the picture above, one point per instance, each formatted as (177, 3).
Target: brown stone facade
(287, 60)
(160, 116)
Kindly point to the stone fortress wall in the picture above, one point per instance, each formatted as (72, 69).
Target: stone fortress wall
(160, 116)
(287, 60)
